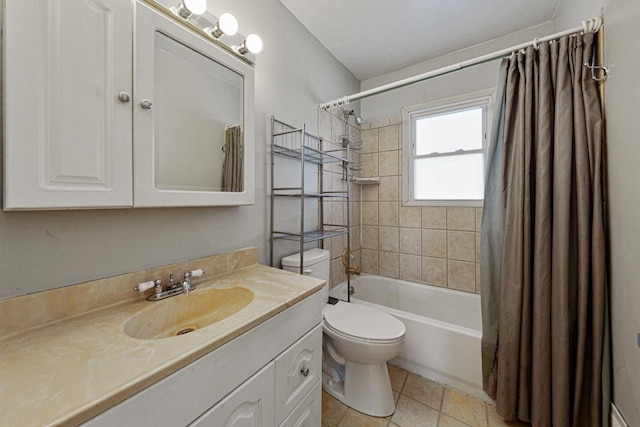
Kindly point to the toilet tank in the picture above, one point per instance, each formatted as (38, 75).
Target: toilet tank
(316, 264)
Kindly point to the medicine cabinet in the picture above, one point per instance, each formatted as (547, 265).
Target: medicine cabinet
(112, 103)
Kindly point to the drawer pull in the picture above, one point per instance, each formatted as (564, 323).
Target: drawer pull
(304, 372)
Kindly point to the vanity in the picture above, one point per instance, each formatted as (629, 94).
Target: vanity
(97, 353)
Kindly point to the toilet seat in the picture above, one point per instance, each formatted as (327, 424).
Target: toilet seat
(361, 323)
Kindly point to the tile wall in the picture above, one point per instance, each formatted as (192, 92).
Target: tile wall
(331, 126)
(435, 245)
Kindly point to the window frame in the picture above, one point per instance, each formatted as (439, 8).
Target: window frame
(483, 99)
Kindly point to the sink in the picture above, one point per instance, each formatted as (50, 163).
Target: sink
(186, 313)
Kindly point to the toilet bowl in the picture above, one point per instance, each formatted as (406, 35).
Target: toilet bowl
(357, 342)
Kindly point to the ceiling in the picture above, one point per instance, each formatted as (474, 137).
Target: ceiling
(374, 37)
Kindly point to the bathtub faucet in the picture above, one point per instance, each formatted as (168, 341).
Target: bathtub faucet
(352, 270)
(346, 257)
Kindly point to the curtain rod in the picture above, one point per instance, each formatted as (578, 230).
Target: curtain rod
(590, 25)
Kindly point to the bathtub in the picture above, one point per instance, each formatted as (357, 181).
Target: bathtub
(444, 328)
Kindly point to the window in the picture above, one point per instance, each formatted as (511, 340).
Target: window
(445, 147)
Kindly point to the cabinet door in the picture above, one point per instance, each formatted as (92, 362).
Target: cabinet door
(298, 369)
(309, 412)
(191, 96)
(250, 405)
(68, 136)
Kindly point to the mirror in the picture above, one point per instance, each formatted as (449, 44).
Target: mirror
(193, 112)
(198, 132)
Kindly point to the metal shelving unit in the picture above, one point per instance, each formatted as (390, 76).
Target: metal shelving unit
(311, 151)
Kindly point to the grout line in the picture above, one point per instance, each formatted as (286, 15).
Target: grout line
(486, 413)
(404, 382)
(343, 415)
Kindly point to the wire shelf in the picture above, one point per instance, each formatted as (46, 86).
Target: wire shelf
(292, 142)
(297, 192)
(310, 236)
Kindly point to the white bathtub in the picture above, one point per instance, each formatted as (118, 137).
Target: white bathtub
(444, 328)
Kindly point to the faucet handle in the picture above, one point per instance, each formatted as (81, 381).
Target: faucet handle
(144, 286)
(194, 273)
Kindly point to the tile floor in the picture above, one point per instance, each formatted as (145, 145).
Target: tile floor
(420, 403)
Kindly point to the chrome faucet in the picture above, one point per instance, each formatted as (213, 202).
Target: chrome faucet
(173, 288)
(172, 284)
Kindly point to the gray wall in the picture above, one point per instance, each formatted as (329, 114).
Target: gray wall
(44, 250)
(622, 35)
(485, 76)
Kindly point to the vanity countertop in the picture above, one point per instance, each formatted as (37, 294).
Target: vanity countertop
(65, 371)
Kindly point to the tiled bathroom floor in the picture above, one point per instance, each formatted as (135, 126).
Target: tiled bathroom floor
(420, 403)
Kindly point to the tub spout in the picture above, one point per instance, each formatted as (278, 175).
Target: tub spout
(352, 270)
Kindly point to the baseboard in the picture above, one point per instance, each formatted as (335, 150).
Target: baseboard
(616, 417)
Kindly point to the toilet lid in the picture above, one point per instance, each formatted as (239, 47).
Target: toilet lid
(363, 322)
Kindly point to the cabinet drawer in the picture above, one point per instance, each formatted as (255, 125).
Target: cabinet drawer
(298, 369)
(309, 412)
(249, 404)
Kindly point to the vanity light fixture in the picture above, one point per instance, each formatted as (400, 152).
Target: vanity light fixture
(253, 44)
(188, 8)
(227, 25)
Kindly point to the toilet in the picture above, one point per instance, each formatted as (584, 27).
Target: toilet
(357, 343)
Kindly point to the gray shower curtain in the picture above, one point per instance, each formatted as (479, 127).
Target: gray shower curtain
(233, 164)
(543, 242)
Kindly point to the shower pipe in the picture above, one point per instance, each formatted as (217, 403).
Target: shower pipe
(590, 25)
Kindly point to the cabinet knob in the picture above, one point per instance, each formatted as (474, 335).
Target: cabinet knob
(146, 104)
(124, 97)
(304, 371)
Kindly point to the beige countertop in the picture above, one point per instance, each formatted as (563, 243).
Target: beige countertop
(66, 370)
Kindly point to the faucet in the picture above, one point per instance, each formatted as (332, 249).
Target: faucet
(346, 257)
(352, 270)
(173, 287)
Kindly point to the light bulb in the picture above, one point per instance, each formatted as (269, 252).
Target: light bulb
(191, 7)
(253, 43)
(227, 24)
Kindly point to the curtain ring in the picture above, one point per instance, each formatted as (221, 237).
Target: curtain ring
(597, 24)
(535, 43)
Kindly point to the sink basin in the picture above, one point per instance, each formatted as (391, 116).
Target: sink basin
(185, 313)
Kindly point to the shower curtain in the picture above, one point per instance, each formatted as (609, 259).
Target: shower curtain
(233, 163)
(544, 291)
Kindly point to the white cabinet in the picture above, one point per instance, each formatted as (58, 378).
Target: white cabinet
(298, 369)
(250, 405)
(309, 412)
(107, 106)
(67, 140)
(194, 90)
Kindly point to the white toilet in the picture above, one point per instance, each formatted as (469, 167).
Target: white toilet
(357, 342)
